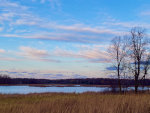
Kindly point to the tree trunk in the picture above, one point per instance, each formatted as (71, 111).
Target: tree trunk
(136, 84)
(136, 88)
(119, 81)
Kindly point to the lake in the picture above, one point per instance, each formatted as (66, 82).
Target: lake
(73, 89)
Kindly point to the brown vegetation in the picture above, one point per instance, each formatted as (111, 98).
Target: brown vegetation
(75, 103)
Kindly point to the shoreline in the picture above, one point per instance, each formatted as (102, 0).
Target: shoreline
(64, 85)
(55, 85)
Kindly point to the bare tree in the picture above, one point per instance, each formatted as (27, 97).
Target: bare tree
(118, 53)
(146, 67)
(137, 48)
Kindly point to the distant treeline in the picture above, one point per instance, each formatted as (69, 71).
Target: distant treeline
(86, 81)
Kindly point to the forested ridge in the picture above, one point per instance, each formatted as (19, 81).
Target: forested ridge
(86, 81)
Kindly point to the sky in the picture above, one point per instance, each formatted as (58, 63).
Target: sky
(59, 39)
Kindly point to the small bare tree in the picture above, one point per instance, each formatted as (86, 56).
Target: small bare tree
(146, 67)
(117, 51)
(137, 48)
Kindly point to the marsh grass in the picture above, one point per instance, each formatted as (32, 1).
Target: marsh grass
(75, 103)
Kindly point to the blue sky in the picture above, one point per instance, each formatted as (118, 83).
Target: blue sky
(64, 38)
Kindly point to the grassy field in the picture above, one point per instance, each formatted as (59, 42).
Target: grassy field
(75, 103)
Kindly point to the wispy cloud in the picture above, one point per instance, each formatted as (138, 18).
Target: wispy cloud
(145, 13)
(35, 54)
(88, 29)
(32, 52)
(47, 28)
(7, 3)
(40, 75)
(14, 14)
(80, 36)
(1, 29)
(55, 4)
(2, 51)
(5, 56)
(2, 58)
(92, 54)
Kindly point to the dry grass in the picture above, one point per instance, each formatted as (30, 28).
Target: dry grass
(75, 103)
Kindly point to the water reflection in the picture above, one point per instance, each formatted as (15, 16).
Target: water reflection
(75, 89)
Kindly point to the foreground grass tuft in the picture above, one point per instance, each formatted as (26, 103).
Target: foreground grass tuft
(75, 103)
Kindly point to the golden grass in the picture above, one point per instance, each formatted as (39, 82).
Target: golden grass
(75, 103)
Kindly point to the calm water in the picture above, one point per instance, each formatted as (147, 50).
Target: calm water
(31, 89)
